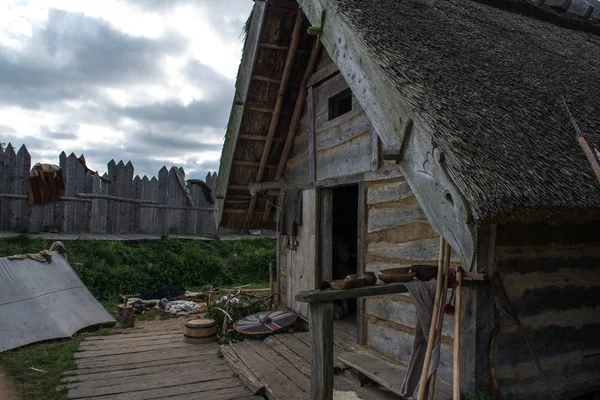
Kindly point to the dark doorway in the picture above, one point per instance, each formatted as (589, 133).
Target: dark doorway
(344, 242)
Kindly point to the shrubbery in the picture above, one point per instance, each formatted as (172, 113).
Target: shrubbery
(112, 268)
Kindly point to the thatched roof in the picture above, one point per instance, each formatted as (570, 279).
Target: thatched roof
(486, 81)
(488, 84)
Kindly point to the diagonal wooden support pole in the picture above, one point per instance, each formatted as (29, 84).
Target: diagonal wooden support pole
(287, 71)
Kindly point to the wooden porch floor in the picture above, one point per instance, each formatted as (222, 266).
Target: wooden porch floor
(155, 365)
(279, 367)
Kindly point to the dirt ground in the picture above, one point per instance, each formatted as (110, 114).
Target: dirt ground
(6, 390)
(171, 324)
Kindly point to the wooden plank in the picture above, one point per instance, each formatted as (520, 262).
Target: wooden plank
(237, 393)
(246, 375)
(128, 367)
(206, 369)
(21, 208)
(300, 363)
(321, 350)
(326, 90)
(361, 251)
(345, 159)
(188, 364)
(277, 385)
(383, 192)
(107, 345)
(163, 195)
(296, 345)
(139, 348)
(147, 356)
(312, 147)
(260, 138)
(283, 365)
(137, 391)
(342, 133)
(415, 252)
(2, 201)
(331, 295)
(83, 209)
(380, 219)
(129, 336)
(386, 374)
(305, 337)
(401, 312)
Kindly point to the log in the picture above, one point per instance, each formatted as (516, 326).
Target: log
(245, 374)
(124, 317)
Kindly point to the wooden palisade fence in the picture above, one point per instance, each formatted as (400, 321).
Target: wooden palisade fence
(123, 205)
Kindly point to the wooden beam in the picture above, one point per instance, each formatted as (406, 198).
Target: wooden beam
(237, 110)
(258, 137)
(312, 140)
(272, 46)
(255, 164)
(287, 71)
(296, 116)
(320, 317)
(266, 79)
(238, 187)
(259, 107)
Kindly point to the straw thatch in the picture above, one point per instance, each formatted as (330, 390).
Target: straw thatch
(486, 77)
(277, 30)
(488, 84)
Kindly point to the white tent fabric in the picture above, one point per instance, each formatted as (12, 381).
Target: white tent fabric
(41, 301)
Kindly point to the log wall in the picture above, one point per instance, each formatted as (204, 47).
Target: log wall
(398, 235)
(552, 276)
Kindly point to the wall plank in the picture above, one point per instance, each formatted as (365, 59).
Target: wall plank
(384, 191)
(385, 218)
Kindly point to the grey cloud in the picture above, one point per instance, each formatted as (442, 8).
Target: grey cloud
(73, 55)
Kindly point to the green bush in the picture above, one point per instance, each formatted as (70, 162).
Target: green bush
(112, 268)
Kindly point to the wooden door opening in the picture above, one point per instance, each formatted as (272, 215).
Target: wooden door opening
(344, 254)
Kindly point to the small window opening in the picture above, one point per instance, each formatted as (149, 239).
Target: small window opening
(340, 104)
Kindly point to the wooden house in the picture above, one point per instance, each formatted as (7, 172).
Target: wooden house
(400, 121)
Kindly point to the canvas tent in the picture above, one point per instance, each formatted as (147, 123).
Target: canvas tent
(42, 301)
(400, 121)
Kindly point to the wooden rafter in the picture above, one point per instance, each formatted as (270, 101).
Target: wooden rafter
(287, 71)
(244, 163)
(257, 137)
(296, 116)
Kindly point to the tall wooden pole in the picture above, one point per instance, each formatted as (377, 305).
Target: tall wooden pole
(457, 331)
(432, 326)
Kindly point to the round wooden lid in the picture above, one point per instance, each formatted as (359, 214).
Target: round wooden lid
(201, 322)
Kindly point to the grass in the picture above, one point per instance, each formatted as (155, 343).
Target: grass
(53, 357)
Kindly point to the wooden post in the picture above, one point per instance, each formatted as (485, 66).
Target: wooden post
(321, 350)
(432, 326)
(271, 287)
(457, 330)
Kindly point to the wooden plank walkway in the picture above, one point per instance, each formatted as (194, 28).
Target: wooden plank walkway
(280, 366)
(151, 366)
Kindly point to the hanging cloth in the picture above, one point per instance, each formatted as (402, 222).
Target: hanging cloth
(290, 217)
(46, 184)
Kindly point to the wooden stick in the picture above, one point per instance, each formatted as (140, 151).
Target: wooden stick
(432, 326)
(271, 288)
(457, 331)
(440, 323)
(590, 156)
(287, 71)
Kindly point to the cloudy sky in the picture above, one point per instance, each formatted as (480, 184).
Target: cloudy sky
(149, 81)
